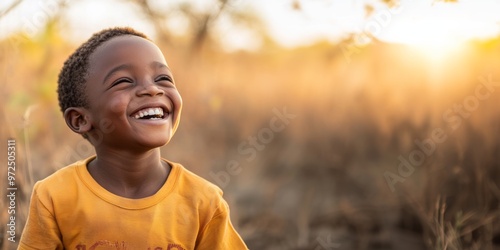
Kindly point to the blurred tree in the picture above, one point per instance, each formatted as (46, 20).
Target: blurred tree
(201, 22)
(9, 8)
(157, 17)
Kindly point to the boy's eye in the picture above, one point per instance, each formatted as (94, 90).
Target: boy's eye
(121, 80)
(164, 78)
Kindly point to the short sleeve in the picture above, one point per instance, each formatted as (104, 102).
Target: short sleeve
(41, 230)
(219, 233)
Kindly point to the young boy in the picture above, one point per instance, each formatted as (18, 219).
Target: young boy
(118, 92)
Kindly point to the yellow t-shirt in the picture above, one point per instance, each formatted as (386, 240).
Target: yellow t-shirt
(70, 210)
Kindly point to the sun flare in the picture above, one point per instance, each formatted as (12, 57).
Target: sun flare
(438, 31)
(434, 39)
(431, 39)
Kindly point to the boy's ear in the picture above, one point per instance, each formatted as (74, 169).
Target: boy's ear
(77, 120)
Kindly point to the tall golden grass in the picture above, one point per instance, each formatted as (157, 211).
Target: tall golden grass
(319, 184)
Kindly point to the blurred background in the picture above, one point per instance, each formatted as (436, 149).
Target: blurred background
(352, 124)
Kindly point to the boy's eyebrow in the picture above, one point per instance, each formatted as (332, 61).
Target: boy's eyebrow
(154, 64)
(115, 69)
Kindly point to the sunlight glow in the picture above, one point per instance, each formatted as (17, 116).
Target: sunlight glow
(429, 25)
(430, 37)
(438, 30)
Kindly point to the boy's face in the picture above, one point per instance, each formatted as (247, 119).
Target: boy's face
(131, 90)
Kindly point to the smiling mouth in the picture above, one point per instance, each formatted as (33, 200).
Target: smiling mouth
(150, 114)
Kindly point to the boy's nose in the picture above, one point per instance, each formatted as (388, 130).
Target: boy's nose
(149, 88)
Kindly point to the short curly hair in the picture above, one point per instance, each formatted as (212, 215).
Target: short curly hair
(73, 76)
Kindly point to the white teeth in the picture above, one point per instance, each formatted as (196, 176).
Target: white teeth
(149, 111)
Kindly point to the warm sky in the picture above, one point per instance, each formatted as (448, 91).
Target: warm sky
(418, 22)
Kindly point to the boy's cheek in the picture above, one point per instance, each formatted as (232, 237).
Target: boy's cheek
(116, 105)
(177, 100)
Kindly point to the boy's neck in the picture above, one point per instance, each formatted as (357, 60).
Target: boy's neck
(130, 175)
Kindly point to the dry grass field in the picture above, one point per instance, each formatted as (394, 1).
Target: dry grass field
(387, 150)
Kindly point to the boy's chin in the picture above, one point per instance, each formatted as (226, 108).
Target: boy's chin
(156, 141)
(160, 143)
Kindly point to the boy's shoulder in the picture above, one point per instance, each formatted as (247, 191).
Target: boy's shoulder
(188, 181)
(62, 176)
(62, 186)
(63, 181)
(69, 178)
